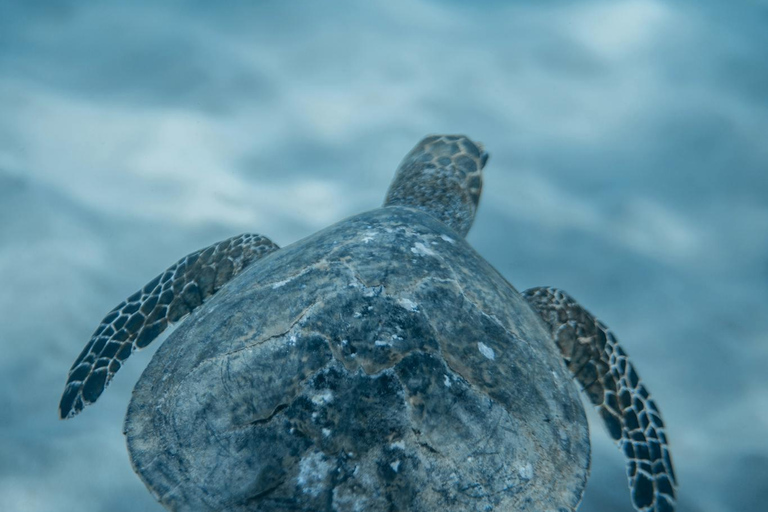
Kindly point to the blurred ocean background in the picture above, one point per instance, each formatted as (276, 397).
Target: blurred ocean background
(629, 166)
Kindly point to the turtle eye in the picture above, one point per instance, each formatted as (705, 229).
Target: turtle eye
(475, 186)
(475, 195)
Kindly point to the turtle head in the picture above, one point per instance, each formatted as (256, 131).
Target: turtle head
(442, 176)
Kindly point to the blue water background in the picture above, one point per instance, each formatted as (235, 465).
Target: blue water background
(629, 166)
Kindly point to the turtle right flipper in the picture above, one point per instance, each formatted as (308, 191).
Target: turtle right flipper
(138, 320)
(600, 365)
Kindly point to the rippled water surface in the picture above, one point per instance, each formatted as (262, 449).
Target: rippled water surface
(629, 166)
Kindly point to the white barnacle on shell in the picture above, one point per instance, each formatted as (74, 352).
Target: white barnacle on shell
(525, 471)
(313, 470)
(325, 397)
(422, 250)
(486, 350)
(407, 304)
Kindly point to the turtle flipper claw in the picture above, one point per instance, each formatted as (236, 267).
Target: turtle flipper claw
(143, 316)
(601, 366)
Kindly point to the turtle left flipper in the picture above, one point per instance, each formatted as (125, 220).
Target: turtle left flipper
(137, 321)
(601, 366)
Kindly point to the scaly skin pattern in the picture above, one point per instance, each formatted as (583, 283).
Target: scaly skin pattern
(442, 176)
(601, 366)
(138, 320)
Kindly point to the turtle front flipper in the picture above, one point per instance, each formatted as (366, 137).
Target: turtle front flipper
(601, 366)
(139, 319)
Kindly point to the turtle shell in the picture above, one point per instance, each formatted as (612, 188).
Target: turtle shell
(379, 364)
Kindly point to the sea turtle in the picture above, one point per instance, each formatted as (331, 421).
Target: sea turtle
(379, 364)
